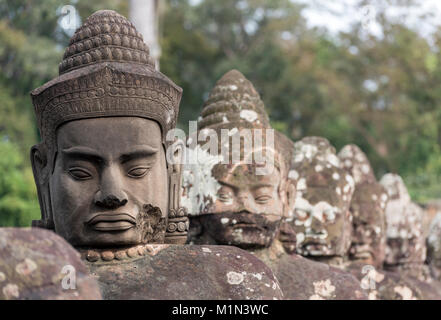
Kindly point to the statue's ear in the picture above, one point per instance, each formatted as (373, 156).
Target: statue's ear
(178, 155)
(40, 169)
(39, 162)
(290, 198)
(178, 222)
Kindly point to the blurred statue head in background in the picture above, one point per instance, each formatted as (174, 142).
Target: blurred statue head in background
(322, 222)
(406, 249)
(101, 169)
(434, 247)
(237, 192)
(367, 208)
(368, 205)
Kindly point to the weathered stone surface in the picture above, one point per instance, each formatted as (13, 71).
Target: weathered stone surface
(315, 148)
(305, 279)
(31, 267)
(356, 163)
(187, 272)
(233, 100)
(387, 285)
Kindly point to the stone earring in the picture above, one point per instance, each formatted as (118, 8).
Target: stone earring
(178, 222)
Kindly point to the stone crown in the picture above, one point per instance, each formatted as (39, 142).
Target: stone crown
(105, 36)
(106, 71)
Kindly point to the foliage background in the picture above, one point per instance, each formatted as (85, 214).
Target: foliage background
(381, 93)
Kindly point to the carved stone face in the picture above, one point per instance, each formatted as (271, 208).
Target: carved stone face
(106, 173)
(405, 251)
(248, 207)
(321, 213)
(369, 224)
(406, 247)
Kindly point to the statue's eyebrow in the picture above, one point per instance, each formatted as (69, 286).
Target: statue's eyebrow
(226, 184)
(137, 152)
(256, 186)
(85, 153)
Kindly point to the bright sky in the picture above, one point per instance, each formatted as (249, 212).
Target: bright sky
(338, 15)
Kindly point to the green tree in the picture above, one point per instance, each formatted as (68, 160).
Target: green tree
(18, 195)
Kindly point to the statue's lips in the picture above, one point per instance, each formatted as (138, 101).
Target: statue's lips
(287, 237)
(245, 225)
(314, 243)
(361, 251)
(112, 222)
(248, 226)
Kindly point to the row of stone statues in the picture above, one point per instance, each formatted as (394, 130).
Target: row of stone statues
(254, 216)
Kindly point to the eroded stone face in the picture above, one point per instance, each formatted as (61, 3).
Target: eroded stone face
(367, 208)
(321, 221)
(102, 182)
(248, 207)
(406, 248)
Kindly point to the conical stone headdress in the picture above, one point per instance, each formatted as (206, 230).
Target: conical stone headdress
(233, 104)
(106, 71)
(234, 100)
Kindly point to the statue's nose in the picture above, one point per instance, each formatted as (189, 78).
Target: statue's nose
(244, 203)
(110, 202)
(316, 225)
(110, 195)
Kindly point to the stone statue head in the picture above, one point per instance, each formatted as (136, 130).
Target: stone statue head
(368, 205)
(356, 163)
(101, 169)
(367, 208)
(405, 239)
(321, 221)
(231, 201)
(434, 247)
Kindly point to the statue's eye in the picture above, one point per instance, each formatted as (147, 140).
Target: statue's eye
(80, 173)
(263, 199)
(224, 197)
(138, 172)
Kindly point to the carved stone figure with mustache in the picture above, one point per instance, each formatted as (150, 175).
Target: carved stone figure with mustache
(230, 203)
